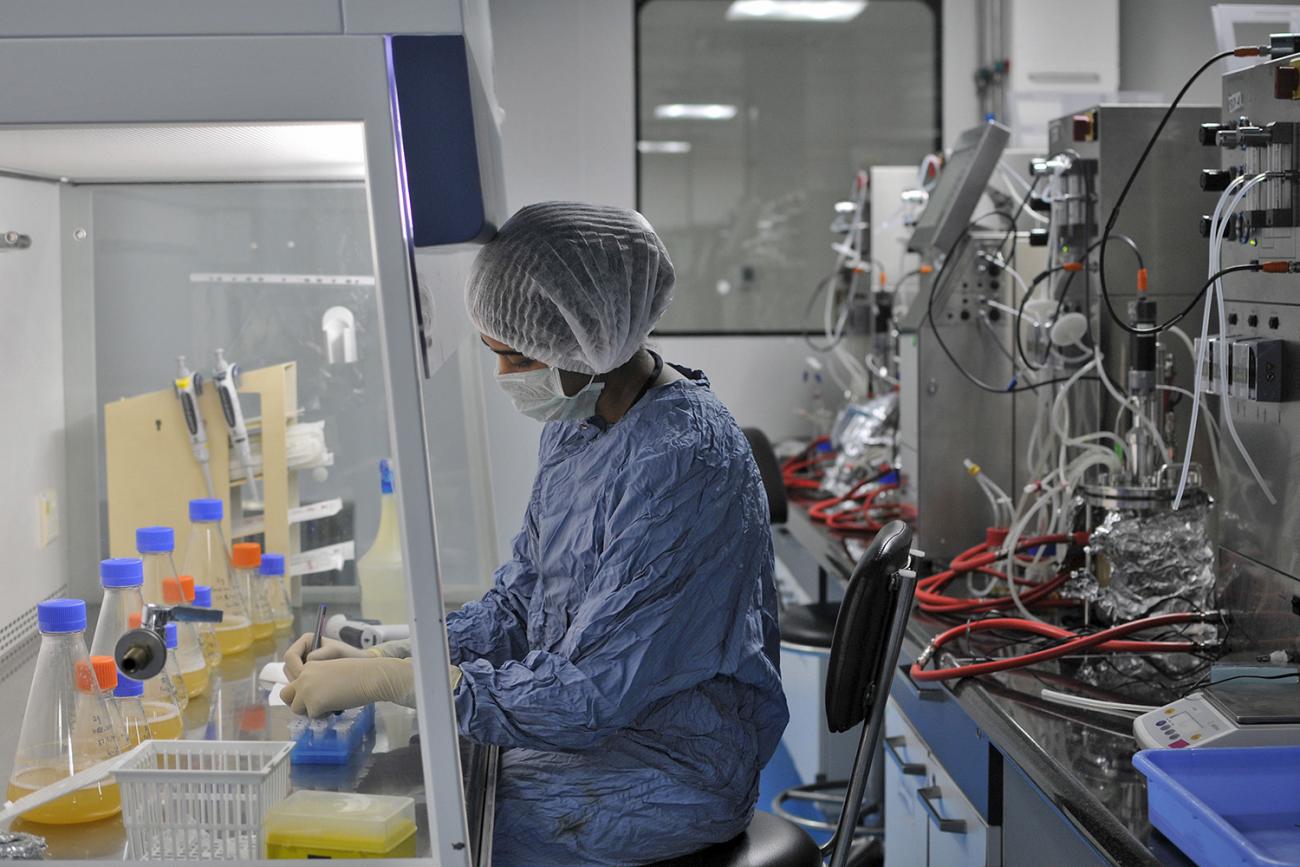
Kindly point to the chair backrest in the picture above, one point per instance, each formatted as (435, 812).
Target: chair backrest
(770, 470)
(862, 629)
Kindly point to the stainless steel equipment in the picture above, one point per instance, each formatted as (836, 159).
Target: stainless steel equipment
(944, 419)
(1260, 559)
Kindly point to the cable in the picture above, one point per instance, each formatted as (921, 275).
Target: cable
(939, 283)
(1241, 51)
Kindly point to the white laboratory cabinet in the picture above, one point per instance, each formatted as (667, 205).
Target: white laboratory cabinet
(928, 821)
(299, 185)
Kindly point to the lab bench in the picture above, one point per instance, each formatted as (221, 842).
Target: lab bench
(984, 771)
(237, 707)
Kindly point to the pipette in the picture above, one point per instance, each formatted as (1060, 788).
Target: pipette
(226, 380)
(188, 386)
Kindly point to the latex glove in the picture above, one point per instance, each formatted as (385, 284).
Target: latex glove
(324, 686)
(455, 677)
(329, 649)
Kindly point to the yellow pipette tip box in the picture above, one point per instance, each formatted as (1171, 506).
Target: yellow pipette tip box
(311, 824)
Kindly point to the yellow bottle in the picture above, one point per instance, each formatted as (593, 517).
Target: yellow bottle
(190, 658)
(67, 725)
(271, 591)
(380, 571)
(132, 718)
(246, 558)
(208, 561)
(207, 632)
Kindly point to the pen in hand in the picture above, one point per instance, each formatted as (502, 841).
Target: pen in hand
(320, 630)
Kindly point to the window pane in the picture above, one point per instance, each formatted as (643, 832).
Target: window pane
(745, 201)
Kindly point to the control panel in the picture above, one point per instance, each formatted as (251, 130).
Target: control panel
(1195, 721)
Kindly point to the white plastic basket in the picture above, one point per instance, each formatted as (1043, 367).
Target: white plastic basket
(202, 800)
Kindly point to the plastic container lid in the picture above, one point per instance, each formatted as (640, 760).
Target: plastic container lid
(272, 564)
(105, 671)
(178, 590)
(202, 595)
(246, 555)
(385, 476)
(134, 619)
(155, 540)
(173, 635)
(61, 615)
(128, 688)
(341, 821)
(206, 510)
(121, 572)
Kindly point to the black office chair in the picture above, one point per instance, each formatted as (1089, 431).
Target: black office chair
(769, 469)
(864, 652)
(805, 628)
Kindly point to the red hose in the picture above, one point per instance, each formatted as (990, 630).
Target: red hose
(1104, 641)
(979, 559)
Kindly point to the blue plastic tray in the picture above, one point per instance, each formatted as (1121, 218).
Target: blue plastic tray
(341, 736)
(1226, 805)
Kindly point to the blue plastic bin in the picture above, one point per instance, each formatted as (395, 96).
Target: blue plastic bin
(1226, 805)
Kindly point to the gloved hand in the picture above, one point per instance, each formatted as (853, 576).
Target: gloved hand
(324, 686)
(329, 649)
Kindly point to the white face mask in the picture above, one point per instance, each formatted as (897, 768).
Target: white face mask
(539, 394)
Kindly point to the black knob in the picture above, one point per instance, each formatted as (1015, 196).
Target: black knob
(1038, 237)
(1205, 225)
(1208, 134)
(1215, 180)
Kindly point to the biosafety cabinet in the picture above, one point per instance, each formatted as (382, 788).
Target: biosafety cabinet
(292, 190)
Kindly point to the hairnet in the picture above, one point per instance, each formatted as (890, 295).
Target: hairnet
(576, 286)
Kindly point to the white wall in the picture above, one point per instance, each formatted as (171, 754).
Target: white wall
(564, 78)
(1163, 41)
(31, 433)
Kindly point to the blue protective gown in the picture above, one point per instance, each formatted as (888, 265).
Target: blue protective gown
(627, 657)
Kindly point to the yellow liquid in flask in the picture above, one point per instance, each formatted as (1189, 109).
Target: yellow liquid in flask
(234, 634)
(165, 723)
(195, 682)
(95, 802)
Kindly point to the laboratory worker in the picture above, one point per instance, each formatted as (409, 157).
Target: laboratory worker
(626, 658)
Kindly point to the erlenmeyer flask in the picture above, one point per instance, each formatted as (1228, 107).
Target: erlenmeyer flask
(156, 546)
(105, 670)
(246, 558)
(270, 587)
(189, 652)
(132, 718)
(207, 631)
(121, 579)
(67, 726)
(207, 559)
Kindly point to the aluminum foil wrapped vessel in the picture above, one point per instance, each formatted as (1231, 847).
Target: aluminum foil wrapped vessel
(863, 436)
(1157, 563)
(17, 846)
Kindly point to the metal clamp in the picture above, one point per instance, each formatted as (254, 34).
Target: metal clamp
(947, 826)
(914, 769)
(14, 241)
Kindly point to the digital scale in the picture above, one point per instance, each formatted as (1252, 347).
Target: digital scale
(1239, 713)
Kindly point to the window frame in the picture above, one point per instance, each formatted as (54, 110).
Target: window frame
(936, 9)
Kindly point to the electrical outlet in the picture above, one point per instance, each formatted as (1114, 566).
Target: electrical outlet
(47, 506)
